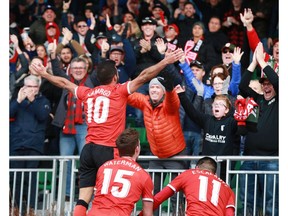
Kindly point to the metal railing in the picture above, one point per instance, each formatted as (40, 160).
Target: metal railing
(51, 184)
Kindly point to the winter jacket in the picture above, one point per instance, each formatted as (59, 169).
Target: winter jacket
(27, 129)
(164, 132)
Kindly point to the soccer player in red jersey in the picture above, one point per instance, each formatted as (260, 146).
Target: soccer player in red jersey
(105, 110)
(206, 194)
(121, 182)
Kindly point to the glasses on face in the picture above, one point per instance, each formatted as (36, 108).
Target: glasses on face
(78, 68)
(227, 51)
(82, 26)
(218, 105)
(219, 83)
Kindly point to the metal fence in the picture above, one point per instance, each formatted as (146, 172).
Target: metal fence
(48, 185)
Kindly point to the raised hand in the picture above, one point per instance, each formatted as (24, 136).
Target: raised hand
(237, 55)
(179, 89)
(22, 94)
(260, 55)
(93, 21)
(183, 58)
(226, 85)
(161, 46)
(173, 56)
(52, 49)
(66, 5)
(108, 22)
(146, 45)
(199, 86)
(105, 47)
(67, 36)
(38, 68)
(14, 39)
(247, 18)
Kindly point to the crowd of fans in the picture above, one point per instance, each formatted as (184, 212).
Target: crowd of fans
(227, 77)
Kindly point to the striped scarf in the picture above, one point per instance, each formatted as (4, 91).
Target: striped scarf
(74, 111)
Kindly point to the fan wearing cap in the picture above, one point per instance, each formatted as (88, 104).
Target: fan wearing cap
(52, 33)
(124, 59)
(145, 49)
(227, 51)
(162, 122)
(231, 59)
(194, 70)
(95, 47)
(38, 27)
(171, 35)
(264, 142)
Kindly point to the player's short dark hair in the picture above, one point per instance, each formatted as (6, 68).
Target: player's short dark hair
(106, 70)
(207, 163)
(127, 142)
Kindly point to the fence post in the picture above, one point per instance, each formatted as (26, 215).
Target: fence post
(62, 187)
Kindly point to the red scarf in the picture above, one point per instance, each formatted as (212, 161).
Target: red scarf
(74, 111)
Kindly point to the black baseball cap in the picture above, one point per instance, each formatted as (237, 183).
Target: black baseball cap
(49, 7)
(101, 35)
(197, 64)
(148, 20)
(117, 48)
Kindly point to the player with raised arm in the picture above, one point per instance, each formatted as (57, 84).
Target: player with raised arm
(205, 192)
(105, 110)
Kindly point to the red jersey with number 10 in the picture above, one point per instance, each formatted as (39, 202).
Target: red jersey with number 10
(206, 194)
(105, 110)
(120, 184)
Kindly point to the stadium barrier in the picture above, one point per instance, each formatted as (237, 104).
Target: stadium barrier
(51, 183)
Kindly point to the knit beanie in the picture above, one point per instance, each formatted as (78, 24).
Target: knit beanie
(199, 23)
(155, 81)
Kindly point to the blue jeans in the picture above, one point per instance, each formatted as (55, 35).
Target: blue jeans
(68, 144)
(193, 142)
(266, 166)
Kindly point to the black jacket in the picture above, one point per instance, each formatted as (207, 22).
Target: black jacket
(264, 142)
(219, 135)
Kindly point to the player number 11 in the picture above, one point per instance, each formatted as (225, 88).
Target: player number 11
(203, 190)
